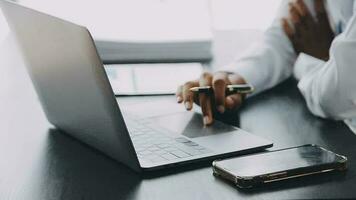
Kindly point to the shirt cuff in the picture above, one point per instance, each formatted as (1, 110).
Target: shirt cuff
(306, 71)
(305, 64)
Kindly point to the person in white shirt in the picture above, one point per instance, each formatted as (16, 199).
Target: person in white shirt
(313, 39)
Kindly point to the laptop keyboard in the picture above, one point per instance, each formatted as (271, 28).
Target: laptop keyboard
(152, 145)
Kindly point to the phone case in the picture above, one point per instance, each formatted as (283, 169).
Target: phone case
(251, 181)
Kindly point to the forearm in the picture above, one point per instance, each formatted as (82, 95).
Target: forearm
(329, 89)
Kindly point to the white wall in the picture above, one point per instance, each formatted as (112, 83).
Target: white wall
(226, 14)
(243, 14)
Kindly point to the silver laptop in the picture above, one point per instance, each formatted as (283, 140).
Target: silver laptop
(77, 98)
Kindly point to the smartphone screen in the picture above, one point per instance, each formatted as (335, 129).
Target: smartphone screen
(277, 161)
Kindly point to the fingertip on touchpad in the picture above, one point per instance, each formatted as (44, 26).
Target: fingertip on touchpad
(190, 124)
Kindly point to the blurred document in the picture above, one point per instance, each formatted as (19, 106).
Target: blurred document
(151, 79)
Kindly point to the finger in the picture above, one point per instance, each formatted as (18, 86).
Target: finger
(188, 95)
(287, 29)
(234, 101)
(205, 79)
(206, 108)
(319, 6)
(220, 80)
(179, 94)
(236, 79)
(294, 14)
(295, 19)
(321, 14)
(291, 34)
(205, 99)
(303, 10)
(196, 98)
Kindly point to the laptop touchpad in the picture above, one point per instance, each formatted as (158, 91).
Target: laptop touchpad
(190, 124)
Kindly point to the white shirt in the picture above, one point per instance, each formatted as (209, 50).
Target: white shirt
(329, 88)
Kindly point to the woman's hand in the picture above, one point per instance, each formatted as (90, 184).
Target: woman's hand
(218, 100)
(309, 36)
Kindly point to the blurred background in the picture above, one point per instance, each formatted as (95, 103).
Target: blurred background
(130, 32)
(224, 14)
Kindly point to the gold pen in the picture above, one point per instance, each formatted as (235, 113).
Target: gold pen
(239, 88)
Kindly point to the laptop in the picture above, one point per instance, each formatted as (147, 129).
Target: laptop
(77, 98)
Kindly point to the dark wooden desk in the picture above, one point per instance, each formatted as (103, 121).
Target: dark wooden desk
(37, 162)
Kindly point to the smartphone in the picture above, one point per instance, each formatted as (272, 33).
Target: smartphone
(257, 169)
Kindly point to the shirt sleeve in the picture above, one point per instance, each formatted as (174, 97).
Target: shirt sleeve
(305, 64)
(270, 61)
(330, 88)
